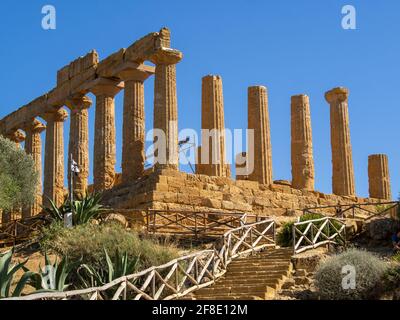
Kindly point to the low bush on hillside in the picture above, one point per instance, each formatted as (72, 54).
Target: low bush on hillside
(88, 243)
(332, 276)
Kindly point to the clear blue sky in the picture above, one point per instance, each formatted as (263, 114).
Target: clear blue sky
(290, 46)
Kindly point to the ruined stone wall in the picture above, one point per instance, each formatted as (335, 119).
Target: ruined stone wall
(173, 190)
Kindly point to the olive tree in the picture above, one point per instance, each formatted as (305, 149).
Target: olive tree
(18, 177)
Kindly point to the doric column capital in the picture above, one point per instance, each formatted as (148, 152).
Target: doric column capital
(166, 56)
(78, 103)
(107, 87)
(300, 99)
(135, 72)
(339, 94)
(16, 136)
(34, 126)
(59, 115)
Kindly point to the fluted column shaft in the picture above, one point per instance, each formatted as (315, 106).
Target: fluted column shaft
(213, 127)
(301, 144)
(33, 147)
(79, 144)
(104, 137)
(342, 159)
(258, 120)
(53, 186)
(166, 106)
(379, 178)
(133, 135)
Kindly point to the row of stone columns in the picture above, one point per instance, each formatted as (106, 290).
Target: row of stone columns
(133, 153)
(303, 171)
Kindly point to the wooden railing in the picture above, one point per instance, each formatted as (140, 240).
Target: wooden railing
(181, 276)
(311, 234)
(19, 230)
(194, 223)
(372, 209)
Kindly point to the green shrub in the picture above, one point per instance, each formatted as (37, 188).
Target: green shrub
(369, 272)
(285, 234)
(18, 177)
(87, 243)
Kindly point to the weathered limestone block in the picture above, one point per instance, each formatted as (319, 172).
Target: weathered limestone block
(79, 143)
(104, 138)
(379, 178)
(166, 107)
(301, 142)
(33, 146)
(260, 149)
(342, 158)
(212, 157)
(53, 186)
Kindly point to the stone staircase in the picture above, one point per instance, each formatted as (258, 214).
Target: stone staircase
(256, 277)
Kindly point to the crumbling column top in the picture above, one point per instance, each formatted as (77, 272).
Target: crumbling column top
(166, 56)
(257, 88)
(58, 115)
(78, 103)
(140, 73)
(106, 86)
(34, 126)
(212, 76)
(377, 155)
(300, 98)
(338, 94)
(16, 136)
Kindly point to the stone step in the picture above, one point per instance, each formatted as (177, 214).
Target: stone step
(232, 285)
(253, 268)
(247, 272)
(247, 263)
(258, 277)
(247, 281)
(238, 290)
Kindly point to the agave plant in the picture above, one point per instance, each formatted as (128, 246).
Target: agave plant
(120, 266)
(87, 209)
(7, 273)
(83, 210)
(53, 276)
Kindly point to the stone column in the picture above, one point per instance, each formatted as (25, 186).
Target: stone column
(342, 159)
(213, 127)
(301, 143)
(166, 106)
(133, 145)
(379, 178)
(53, 186)
(258, 120)
(33, 146)
(79, 144)
(16, 136)
(104, 136)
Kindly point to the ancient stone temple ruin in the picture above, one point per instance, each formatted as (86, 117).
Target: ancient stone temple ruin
(163, 186)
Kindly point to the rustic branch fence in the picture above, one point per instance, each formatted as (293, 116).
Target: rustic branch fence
(181, 276)
(311, 234)
(351, 210)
